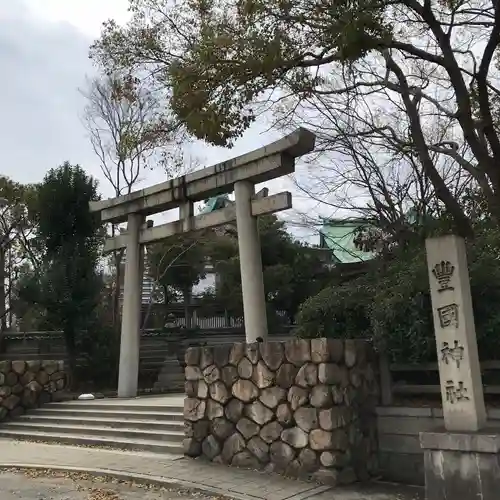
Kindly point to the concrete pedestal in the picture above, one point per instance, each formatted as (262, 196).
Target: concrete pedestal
(461, 466)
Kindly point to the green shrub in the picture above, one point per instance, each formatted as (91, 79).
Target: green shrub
(391, 303)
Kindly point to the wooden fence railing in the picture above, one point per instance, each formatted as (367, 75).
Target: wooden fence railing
(399, 380)
(154, 345)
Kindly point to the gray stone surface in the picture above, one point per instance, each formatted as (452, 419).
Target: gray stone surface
(292, 407)
(298, 351)
(271, 432)
(454, 326)
(329, 373)
(272, 354)
(272, 396)
(295, 437)
(192, 356)
(297, 396)
(202, 389)
(229, 375)
(321, 396)
(234, 410)
(307, 375)
(194, 409)
(222, 428)
(286, 374)
(28, 385)
(245, 390)
(240, 484)
(214, 410)
(247, 428)
(281, 453)
(193, 372)
(461, 465)
(258, 413)
(234, 444)
(211, 374)
(206, 357)
(237, 352)
(284, 414)
(252, 352)
(259, 448)
(219, 392)
(17, 486)
(210, 447)
(245, 368)
(262, 376)
(306, 418)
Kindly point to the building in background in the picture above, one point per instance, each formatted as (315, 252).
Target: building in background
(338, 236)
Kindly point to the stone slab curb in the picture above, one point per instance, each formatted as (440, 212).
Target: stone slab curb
(165, 482)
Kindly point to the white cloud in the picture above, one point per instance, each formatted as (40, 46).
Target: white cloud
(44, 60)
(85, 15)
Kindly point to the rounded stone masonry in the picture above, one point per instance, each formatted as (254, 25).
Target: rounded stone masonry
(28, 384)
(302, 407)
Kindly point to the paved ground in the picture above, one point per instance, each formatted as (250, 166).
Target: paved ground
(159, 469)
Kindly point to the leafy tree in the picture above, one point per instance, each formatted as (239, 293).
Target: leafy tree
(18, 249)
(177, 265)
(292, 271)
(413, 78)
(67, 283)
(391, 305)
(128, 133)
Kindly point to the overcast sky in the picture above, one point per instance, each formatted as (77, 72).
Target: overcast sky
(44, 60)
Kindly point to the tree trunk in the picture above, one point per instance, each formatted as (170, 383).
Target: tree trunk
(3, 310)
(187, 307)
(69, 339)
(118, 255)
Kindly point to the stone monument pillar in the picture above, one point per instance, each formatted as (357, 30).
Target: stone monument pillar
(461, 460)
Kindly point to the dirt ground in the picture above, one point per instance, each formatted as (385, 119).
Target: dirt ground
(34, 485)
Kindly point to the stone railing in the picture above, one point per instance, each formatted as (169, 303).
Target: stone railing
(29, 384)
(302, 407)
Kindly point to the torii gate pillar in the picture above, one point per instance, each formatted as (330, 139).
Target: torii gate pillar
(252, 282)
(131, 310)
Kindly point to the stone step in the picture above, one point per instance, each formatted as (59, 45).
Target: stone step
(94, 430)
(172, 376)
(56, 420)
(156, 353)
(103, 405)
(171, 416)
(168, 387)
(177, 370)
(153, 446)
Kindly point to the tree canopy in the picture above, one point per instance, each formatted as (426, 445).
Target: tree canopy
(415, 82)
(68, 282)
(177, 264)
(292, 271)
(390, 304)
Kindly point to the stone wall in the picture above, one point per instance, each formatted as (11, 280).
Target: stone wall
(29, 384)
(305, 408)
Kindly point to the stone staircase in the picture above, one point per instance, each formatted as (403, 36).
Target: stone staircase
(148, 424)
(171, 376)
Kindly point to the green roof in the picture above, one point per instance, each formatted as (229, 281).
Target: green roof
(215, 203)
(339, 235)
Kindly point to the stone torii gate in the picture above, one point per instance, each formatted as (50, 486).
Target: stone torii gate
(240, 175)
